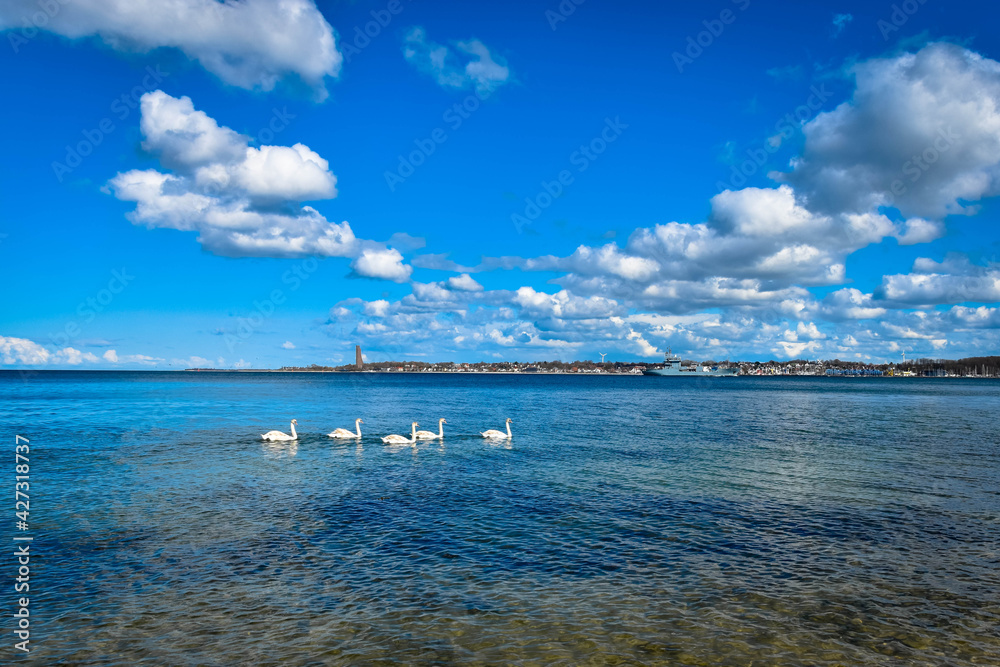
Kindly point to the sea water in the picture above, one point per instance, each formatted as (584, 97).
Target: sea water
(630, 520)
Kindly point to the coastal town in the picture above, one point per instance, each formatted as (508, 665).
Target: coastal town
(974, 367)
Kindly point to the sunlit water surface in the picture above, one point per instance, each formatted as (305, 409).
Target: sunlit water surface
(631, 520)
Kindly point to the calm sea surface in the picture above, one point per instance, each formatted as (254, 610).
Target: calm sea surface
(631, 520)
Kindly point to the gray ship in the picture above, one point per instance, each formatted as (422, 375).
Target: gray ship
(672, 368)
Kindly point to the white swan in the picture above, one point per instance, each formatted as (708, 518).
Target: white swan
(493, 433)
(400, 440)
(430, 435)
(344, 433)
(275, 436)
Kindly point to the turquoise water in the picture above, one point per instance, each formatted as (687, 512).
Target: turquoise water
(631, 520)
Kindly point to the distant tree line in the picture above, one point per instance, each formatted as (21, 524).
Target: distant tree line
(967, 366)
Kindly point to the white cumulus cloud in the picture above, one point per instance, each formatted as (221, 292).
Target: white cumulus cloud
(241, 200)
(926, 289)
(465, 283)
(249, 44)
(850, 303)
(22, 351)
(922, 133)
(386, 264)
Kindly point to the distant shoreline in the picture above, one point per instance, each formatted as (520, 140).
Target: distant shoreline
(29, 372)
(601, 374)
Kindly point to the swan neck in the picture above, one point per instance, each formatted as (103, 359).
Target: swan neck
(293, 431)
(357, 425)
(508, 430)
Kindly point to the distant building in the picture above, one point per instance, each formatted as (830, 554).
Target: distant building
(358, 362)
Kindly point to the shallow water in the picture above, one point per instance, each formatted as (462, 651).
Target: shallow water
(631, 520)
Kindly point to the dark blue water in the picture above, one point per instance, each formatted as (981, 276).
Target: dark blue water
(630, 520)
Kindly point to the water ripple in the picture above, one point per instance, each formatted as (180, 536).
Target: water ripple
(767, 521)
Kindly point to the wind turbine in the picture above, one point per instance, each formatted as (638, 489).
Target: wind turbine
(603, 354)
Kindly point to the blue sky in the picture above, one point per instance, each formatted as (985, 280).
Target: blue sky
(260, 184)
